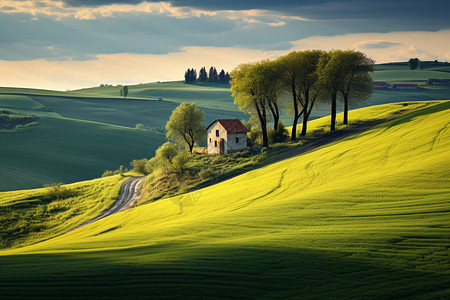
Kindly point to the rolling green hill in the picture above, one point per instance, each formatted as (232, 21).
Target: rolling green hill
(365, 217)
(68, 150)
(104, 105)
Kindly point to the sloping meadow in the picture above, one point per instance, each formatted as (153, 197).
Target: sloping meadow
(366, 217)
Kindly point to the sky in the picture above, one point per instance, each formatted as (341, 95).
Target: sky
(72, 44)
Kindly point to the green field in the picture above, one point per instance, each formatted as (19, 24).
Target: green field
(81, 136)
(68, 150)
(104, 105)
(366, 217)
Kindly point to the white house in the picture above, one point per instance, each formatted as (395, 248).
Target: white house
(226, 136)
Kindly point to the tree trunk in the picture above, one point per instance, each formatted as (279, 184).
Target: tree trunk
(305, 114)
(275, 113)
(305, 124)
(261, 110)
(333, 111)
(294, 123)
(345, 108)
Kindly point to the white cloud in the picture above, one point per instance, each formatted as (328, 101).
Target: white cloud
(404, 45)
(278, 24)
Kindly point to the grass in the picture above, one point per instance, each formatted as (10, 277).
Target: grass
(366, 217)
(206, 95)
(13, 121)
(68, 150)
(29, 216)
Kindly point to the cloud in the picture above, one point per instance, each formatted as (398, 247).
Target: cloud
(129, 68)
(375, 44)
(424, 45)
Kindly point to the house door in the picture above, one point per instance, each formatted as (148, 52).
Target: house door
(221, 146)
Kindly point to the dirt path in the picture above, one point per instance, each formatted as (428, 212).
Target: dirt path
(129, 193)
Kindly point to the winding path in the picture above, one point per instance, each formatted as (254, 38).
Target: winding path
(129, 194)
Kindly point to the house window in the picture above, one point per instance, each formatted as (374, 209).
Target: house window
(215, 143)
(217, 132)
(237, 140)
(210, 140)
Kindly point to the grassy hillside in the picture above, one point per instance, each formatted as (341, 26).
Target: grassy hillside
(29, 216)
(208, 95)
(68, 150)
(366, 217)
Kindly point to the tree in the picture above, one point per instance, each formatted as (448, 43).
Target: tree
(124, 91)
(289, 65)
(213, 74)
(413, 63)
(203, 76)
(356, 79)
(331, 76)
(193, 76)
(185, 125)
(247, 87)
(227, 78)
(307, 82)
(271, 88)
(222, 77)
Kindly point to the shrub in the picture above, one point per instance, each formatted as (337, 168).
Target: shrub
(180, 163)
(166, 153)
(280, 135)
(139, 165)
(140, 126)
(57, 192)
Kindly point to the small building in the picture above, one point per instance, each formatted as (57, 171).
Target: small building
(433, 81)
(381, 85)
(405, 86)
(226, 136)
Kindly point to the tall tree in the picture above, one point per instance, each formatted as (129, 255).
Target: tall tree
(271, 88)
(187, 76)
(222, 77)
(356, 82)
(289, 76)
(248, 92)
(331, 75)
(193, 75)
(212, 74)
(185, 125)
(124, 91)
(203, 76)
(308, 84)
(227, 78)
(413, 63)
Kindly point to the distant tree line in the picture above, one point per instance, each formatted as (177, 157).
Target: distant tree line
(299, 80)
(191, 76)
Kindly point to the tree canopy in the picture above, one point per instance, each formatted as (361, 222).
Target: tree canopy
(248, 87)
(306, 77)
(185, 125)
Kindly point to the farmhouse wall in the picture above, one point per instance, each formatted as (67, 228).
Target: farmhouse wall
(236, 142)
(232, 142)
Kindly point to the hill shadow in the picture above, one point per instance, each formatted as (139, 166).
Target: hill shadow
(242, 272)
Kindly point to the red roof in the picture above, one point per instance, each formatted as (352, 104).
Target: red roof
(231, 125)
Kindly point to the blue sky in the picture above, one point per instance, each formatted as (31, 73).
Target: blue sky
(71, 44)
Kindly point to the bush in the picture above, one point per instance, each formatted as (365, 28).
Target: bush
(281, 135)
(57, 192)
(180, 163)
(120, 171)
(139, 166)
(140, 126)
(166, 153)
